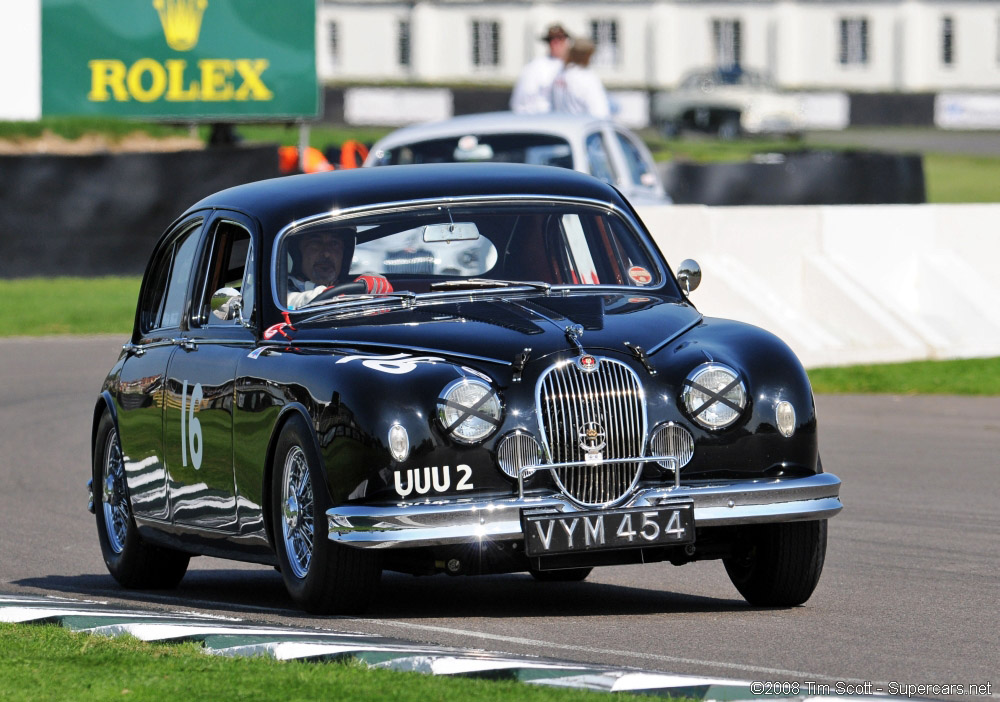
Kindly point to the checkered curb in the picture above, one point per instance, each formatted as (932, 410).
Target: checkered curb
(225, 636)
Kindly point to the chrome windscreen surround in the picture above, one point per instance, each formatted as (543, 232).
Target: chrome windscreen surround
(591, 416)
(517, 450)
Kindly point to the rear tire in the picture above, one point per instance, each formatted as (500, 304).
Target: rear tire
(322, 577)
(132, 562)
(568, 575)
(779, 564)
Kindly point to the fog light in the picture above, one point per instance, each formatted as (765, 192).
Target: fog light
(399, 442)
(785, 415)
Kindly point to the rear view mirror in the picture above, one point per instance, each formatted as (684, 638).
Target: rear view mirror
(689, 275)
(226, 304)
(454, 231)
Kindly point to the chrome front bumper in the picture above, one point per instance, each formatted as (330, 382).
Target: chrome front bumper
(468, 520)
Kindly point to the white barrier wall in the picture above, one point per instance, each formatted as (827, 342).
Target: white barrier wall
(844, 284)
(20, 59)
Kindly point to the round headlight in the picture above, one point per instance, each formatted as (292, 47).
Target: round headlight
(469, 410)
(714, 395)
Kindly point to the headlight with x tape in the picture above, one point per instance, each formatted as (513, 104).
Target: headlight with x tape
(469, 409)
(714, 395)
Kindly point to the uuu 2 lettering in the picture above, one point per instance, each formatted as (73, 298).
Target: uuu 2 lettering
(424, 480)
(191, 426)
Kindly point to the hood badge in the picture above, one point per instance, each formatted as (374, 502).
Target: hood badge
(587, 363)
(573, 333)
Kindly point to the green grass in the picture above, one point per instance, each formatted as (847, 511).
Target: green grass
(76, 127)
(320, 136)
(40, 306)
(974, 376)
(710, 150)
(46, 662)
(956, 178)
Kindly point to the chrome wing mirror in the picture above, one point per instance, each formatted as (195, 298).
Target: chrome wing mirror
(689, 275)
(227, 305)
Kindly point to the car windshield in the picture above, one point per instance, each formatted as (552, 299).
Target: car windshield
(536, 149)
(448, 247)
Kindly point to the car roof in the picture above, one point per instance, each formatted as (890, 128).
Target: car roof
(280, 201)
(562, 124)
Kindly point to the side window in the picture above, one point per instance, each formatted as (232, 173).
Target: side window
(167, 283)
(597, 158)
(227, 267)
(638, 168)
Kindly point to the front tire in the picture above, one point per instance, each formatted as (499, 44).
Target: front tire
(322, 577)
(779, 564)
(132, 562)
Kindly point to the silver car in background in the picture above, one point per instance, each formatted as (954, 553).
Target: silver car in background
(728, 104)
(599, 147)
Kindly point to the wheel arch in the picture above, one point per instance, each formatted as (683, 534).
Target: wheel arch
(105, 403)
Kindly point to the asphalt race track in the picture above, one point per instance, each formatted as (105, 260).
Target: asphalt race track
(910, 593)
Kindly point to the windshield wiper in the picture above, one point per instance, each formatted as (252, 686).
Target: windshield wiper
(360, 297)
(476, 283)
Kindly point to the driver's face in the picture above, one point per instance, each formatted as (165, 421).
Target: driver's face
(322, 256)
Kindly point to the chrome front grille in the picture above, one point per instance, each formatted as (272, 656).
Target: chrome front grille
(608, 403)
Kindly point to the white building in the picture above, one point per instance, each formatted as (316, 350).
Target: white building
(875, 45)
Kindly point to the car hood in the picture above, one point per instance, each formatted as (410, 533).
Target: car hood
(496, 328)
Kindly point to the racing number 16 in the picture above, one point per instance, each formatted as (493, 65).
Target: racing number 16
(191, 426)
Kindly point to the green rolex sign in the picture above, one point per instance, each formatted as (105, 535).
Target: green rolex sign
(198, 59)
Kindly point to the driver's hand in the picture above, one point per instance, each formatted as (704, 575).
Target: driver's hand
(301, 299)
(375, 284)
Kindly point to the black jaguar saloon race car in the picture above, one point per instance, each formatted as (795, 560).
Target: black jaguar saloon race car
(458, 368)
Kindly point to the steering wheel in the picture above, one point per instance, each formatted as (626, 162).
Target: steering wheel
(352, 288)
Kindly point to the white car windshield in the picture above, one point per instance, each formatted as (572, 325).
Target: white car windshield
(490, 244)
(535, 149)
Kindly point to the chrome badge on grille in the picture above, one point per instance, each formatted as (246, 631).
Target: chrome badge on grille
(587, 363)
(593, 439)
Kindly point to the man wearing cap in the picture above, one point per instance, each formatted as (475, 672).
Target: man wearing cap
(533, 91)
(318, 264)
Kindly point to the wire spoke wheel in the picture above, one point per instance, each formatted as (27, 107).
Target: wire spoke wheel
(297, 527)
(113, 498)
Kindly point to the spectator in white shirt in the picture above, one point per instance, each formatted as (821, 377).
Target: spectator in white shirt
(533, 91)
(578, 89)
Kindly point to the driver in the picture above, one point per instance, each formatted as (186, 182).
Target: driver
(319, 264)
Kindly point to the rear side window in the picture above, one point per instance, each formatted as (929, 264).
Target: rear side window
(165, 291)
